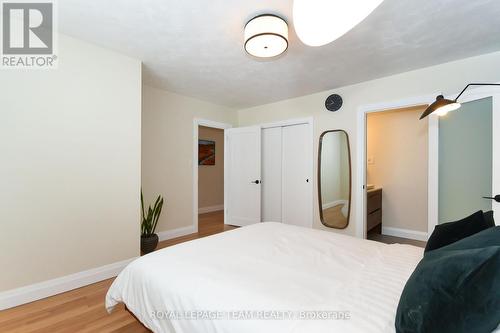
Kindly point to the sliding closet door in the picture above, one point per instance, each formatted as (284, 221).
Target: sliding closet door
(296, 199)
(271, 174)
(243, 175)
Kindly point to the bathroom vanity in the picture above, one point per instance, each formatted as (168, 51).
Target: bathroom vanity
(374, 210)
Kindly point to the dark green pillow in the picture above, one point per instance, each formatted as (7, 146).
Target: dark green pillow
(448, 233)
(488, 218)
(455, 289)
(485, 238)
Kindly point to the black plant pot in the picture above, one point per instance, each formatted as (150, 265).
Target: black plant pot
(149, 243)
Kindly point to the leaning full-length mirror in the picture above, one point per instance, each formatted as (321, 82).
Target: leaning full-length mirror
(334, 179)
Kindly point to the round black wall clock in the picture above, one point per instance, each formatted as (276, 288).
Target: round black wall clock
(333, 103)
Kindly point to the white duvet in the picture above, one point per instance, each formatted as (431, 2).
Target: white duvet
(268, 277)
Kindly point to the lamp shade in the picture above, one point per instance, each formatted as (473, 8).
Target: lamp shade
(441, 107)
(319, 22)
(266, 36)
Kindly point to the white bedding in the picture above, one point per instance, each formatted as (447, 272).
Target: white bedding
(274, 271)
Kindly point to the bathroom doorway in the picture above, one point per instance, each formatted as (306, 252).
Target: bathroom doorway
(397, 158)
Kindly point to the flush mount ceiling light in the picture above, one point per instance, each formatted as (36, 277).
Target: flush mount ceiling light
(319, 22)
(266, 36)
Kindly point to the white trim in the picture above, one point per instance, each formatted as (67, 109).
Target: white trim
(495, 186)
(360, 191)
(333, 204)
(405, 233)
(210, 209)
(344, 203)
(433, 174)
(473, 94)
(288, 122)
(197, 122)
(33, 292)
(399, 104)
(169, 234)
(312, 169)
(226, 176)
(361, 158)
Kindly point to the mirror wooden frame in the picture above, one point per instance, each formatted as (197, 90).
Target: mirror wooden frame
(320, 200)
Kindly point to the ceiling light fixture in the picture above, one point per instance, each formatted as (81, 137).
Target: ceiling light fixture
(319, 22)
(443, 105)
(266, 36)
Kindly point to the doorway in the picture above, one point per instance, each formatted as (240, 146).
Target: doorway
(435, 153)
(397, 161)
(209, 175)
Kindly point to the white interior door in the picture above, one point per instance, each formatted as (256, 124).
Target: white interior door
(297, 182)
(243, 193)
(271, 174)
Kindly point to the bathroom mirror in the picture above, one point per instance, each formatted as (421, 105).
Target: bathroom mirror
(334, 179)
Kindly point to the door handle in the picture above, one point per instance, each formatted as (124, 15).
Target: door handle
(256, 182)
(496, 198)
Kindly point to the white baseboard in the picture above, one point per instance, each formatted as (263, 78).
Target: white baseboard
(33, 292)
(210, 209)
(169, 234)
(405, 233)
(333, 204)
(336, 203)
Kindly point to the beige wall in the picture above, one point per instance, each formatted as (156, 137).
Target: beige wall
(71, 152)
(397, 151)
(211, 177)
(446, 78)
(70, 165)
(167, 150)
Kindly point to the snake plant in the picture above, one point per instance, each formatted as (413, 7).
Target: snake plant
(150, 217)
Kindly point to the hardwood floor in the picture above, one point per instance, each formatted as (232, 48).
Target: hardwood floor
(393, 240)
(333, 216)
(209, 224)
(82, 310)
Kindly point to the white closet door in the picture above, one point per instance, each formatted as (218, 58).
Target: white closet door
(271, 174)
(297, 180)
(243, 175)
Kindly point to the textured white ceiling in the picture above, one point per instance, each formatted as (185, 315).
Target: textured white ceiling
(195, 47)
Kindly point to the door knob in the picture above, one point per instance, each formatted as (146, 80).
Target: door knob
(256, 182)
(496, 198)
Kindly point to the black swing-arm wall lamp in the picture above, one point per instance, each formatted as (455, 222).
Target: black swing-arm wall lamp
(442, 105)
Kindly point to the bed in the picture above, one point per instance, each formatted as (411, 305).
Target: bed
(268, 277)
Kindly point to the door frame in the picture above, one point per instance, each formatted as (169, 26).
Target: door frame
(301, 121)
(433, 162)
(197, 122)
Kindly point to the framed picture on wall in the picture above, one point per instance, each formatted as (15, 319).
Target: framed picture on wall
(206, 152)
